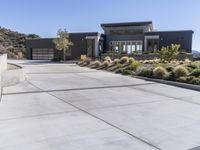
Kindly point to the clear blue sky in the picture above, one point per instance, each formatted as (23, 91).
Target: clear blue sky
(45, 17)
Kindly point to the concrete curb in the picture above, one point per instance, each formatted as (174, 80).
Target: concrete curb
(173, 83)
(13, 77)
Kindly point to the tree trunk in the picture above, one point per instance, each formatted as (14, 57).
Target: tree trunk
(64, 51)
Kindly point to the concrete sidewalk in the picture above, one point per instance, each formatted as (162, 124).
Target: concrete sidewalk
(66, 107)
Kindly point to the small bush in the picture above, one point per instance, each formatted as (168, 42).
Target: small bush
(96, 63)
(124, 60)
(119, 70)
(131, 59)
(106, 63)
(159, 72)
(193, 66)
(107, 58)
(169, 53)
(169, 68)
(116, 61)
(182, 79)
(126, 72)
(134, 65)
(146, 72)
(180, 71)
(119, 65)
(87, 61)
(196, 72)
(195, 81)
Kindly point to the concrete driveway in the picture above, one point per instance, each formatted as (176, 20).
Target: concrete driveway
(66, 107)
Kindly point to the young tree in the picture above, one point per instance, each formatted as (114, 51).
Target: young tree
(63, 43)
(169, 53)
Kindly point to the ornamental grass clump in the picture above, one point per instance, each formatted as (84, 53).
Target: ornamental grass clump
(145, 72)
(124, 60)
(131, 59)
(126, 72)
(96, 63)
(159, 72)
(134, 65)
(106, 63)
(196, 73)
(180, 71)
(116, 61)
(107, 58)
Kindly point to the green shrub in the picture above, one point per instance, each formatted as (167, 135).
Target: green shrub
(124, 60)
(119, 65)
(106, 63)
(107, 58)
(192, 66)
(182, 79)
(195, 81)
(196, 72)
(169, 68)
(126, 72)
(131, 59)
(134, 65)
(169, 53)
(96, 63)
(116, 61)
(180, 71)
(159, 72)
(87, 61)
(144, 72)
(119, 70)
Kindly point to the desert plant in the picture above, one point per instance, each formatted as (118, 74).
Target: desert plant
(196, 73)
(106, 63)
(96, 63)
(119, 65)
(107, 58)
(144, 72)
(131, 59)
(182, 79)
(134, 65)
(124, 60)
(169, 68)
(180, 71)
(169, 53)
(87, 61)
(193, 65)
(159, 72)
(116, 61)
(126, 72)
(195, 81)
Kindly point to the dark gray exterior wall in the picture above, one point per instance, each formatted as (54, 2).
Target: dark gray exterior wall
(166, 38)
(77, 49)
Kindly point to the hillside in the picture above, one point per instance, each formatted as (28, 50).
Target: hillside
(13, 43)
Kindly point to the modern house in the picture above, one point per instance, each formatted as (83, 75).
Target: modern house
(126, 38)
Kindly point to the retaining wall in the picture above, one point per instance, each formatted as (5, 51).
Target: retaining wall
(3, 67)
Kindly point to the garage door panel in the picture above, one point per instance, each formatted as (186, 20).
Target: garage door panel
(42, 54)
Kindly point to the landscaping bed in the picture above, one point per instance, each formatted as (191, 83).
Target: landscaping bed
(186, 71)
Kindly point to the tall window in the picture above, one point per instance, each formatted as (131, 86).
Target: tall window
(126, 47)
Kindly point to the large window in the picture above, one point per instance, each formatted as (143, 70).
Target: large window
(42, 53)
(126, 32)
(126, 47)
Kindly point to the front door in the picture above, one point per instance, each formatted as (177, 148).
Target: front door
(90, 47)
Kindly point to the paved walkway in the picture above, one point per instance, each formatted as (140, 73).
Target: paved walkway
(66, 107)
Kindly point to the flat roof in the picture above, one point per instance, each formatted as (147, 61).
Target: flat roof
(169, 31)
(122, 24)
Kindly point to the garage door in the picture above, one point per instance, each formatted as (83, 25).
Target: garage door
(42, 54)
